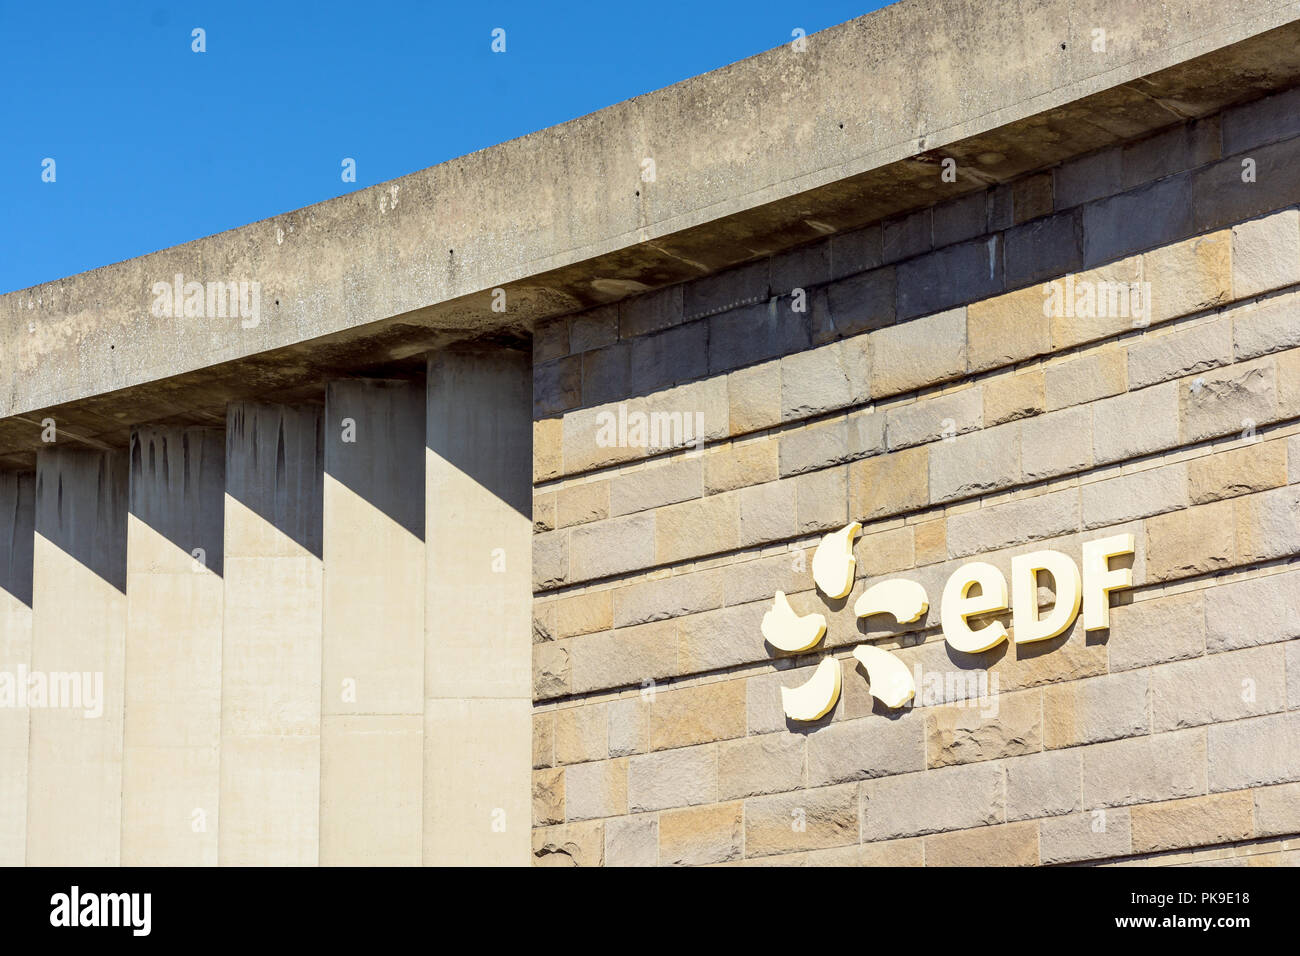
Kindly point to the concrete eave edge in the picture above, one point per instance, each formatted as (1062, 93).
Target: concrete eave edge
(394, 268)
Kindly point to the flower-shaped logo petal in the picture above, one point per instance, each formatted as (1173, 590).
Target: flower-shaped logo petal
(833, 566)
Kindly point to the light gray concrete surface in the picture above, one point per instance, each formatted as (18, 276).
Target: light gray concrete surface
(478, 609)
(767, 153)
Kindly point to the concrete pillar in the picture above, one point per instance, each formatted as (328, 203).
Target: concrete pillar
(17, 530)
(478, 630)
(74, 795)
(171, 770)
(271, 652)
(372, 656)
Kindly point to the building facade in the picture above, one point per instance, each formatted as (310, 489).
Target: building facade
(461, 549)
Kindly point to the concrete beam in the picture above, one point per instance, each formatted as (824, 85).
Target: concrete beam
(271, 652)
(74, 794)
(372, 655)
(175, 552)
(17, 536)
(762, 155)
(478, 610)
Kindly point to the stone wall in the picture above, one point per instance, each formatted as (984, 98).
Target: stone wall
(925, 392)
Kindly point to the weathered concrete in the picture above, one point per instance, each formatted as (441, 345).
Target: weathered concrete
(17, 517)
(74, 795)
(172, 737)
(478, 651)
(372, 654)
(271, 649)
(765, 154)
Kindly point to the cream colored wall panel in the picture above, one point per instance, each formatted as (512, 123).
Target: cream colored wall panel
(74, 800)
(372, 770)
(270, 798)
(476, 811)
(271, 651)
(17, 516)
(171, 772)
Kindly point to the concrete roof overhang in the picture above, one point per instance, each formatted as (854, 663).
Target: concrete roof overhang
(760, 156)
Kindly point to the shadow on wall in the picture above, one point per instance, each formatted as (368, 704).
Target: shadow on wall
(81, 503)
(177, 488)
(275, 462)
(478, 420)
(18, 519)
(374, 445)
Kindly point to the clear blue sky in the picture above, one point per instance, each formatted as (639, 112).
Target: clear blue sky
(155, 144)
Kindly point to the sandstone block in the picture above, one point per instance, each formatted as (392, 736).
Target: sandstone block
(583, 614)
(632, 841)
(1196, 821)
(767, 763)
(811, 447)
(821, 500)
(1193, 541)
(1268, 524)
(1253, 753)
(693, 528)
(1091, 835)
(1277, 810)
(919, 352)
(1086, 378)
(1227, 401)
(1266, 253)
(1144, 769)
(596, 789)
(543, 739)
(662, 598)
(864, 302)
(581, 734)
(976, 463)
(1267, 326)
(548, 797)
(578, 504)
(1015, 522)
(1007, 329)
(573, 844)
(1008, 844)
(1044, 785)
(804, 820)
(767, 512)
(889, 484)
(868, 747)
(1138, 494)
(951, 798)
(651, 312)
(1010, 397)
(738, 464)
(1135, 423)
(1155, 631)
(627, 656)
(701, 835)
(947, 277)
(1218, 688)
(933, 419)
(684, 716)
(1058, 443)
(1164, 355)
(1099, 708)
(961, 733)
(754, 397)
(673, 778)
(1252, 612)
